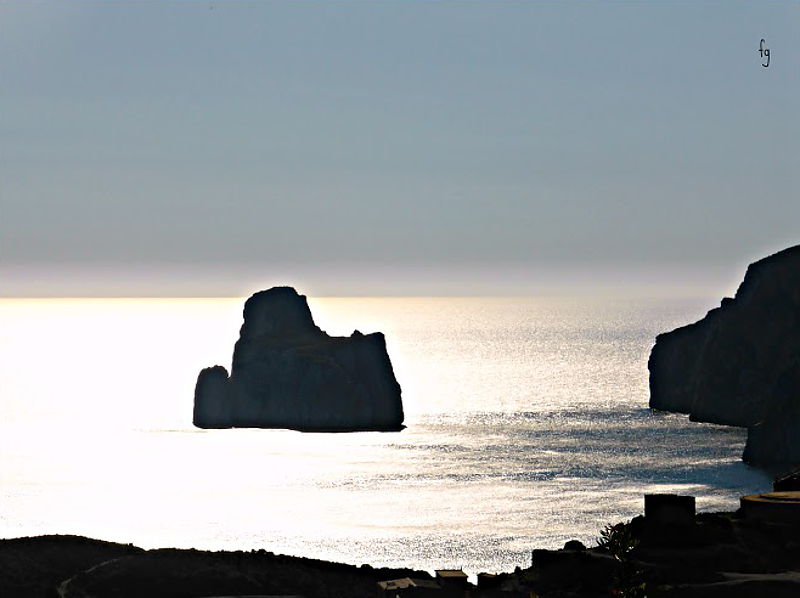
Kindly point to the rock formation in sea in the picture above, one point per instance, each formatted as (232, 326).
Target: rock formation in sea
(740, 364)
(287, 373)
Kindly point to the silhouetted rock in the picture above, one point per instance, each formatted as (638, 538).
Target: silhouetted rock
(740, 365)
(287, 373)
(212, 408)
(776, 439)
(787, 481)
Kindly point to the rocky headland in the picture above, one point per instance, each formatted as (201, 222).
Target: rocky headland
(740, 364)
(287, 373)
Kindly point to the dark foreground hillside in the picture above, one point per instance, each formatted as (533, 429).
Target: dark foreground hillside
(73, 566)
(670, 551)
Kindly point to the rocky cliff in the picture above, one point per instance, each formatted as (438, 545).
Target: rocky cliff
(740, 365)
(287, 373)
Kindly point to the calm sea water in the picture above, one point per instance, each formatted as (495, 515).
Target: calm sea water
(527, 427)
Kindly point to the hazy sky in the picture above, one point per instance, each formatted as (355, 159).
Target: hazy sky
(393, 147)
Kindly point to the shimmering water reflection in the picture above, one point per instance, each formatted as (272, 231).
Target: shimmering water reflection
(526, 428)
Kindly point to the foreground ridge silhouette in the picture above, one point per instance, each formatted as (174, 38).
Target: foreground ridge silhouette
(671, 551)
(287, 373)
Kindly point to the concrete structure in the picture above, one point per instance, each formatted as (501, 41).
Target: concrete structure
(776, 507)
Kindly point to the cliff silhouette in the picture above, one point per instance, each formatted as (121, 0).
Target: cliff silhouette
(287, 373)
(740, 364)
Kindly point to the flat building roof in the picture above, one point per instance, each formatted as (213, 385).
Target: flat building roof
(450, 573)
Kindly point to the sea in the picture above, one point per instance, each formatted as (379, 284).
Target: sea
(527, 426)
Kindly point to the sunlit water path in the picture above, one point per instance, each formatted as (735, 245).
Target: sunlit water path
(527, 426)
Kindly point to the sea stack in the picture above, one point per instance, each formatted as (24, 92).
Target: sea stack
(287, 373)
(740, 365)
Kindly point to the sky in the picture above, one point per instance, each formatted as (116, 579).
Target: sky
(207, 148)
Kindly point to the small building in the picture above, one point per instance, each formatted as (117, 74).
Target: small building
(452, 580)
(407, 586)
